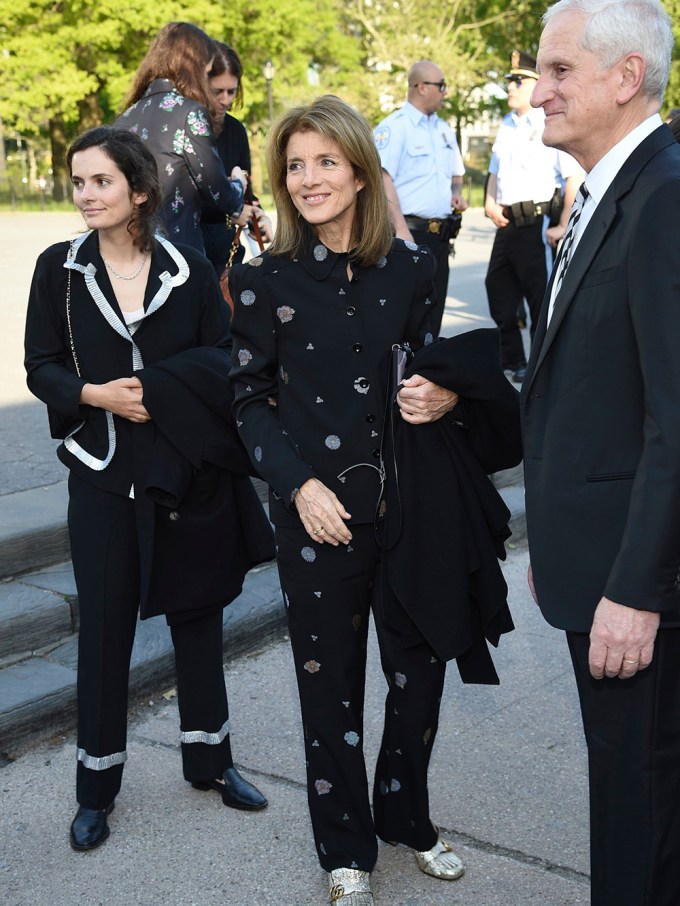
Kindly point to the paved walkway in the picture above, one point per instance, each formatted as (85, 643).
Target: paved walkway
(508, 785)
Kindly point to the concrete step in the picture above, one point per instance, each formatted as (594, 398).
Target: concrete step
(33, 531)
(38, 688)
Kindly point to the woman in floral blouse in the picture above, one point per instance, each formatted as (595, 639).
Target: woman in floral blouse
(171, 108)
(314, 322)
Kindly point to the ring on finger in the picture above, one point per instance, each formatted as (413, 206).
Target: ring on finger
(628, 660)
(319, 531)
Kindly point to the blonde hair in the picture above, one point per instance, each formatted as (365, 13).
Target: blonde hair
(333, 118)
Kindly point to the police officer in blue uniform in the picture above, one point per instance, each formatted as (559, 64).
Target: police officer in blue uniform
(423, 171)
(529, 193)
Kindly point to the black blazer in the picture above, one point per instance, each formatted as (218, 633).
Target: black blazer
(319, 346)
(200, 526)
(601, 406)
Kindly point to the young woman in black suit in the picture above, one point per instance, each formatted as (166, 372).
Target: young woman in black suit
(128, 343)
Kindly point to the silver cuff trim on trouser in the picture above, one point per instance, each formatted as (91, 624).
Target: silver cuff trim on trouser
(92, 763)
(210, 739)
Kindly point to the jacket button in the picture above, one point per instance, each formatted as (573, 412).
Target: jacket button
(357, 347)
(351, 311)
(376, 454)
(174, 516)
(370, 418)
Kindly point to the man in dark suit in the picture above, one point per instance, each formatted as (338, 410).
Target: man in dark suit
(601, 416)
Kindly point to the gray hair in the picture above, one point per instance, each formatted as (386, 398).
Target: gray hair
(614, 28)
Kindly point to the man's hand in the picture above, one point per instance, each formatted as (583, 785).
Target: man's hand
(555, 234)
(404, 233)
(530, 581)
(420, 401)
(494, 212)
(621, 640)
(458, 203)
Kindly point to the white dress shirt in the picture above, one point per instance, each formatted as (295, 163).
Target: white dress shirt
(601, 177)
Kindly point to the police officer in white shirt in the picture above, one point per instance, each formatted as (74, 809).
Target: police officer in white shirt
(423, 171)
(524, 195)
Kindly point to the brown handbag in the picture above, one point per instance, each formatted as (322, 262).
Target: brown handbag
(236, 244)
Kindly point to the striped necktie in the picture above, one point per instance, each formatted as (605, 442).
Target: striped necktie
(570, 235)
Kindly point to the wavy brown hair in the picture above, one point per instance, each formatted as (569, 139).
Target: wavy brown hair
(180, 52)
(332, 117)
(138, 166)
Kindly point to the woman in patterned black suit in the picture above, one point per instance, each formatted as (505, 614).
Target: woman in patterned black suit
(315, 319)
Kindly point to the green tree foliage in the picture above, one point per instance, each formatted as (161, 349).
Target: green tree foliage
(470, 39)
(68, 64)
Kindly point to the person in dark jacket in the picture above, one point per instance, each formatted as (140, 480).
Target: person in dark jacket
(314, 323)
(128, 344)
(171, 108)
(234, 150)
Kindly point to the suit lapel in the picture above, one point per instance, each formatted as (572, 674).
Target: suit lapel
(591, 240)
(582, 258)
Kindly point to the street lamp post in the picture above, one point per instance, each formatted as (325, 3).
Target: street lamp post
(268, 71)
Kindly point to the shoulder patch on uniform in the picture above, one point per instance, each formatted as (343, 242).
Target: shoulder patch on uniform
(382, 137)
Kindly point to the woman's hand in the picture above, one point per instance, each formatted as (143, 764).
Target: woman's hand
(241, 175)
(322, 514)
(264, 224)
(246, 214)
(420, 401)
(122, 397)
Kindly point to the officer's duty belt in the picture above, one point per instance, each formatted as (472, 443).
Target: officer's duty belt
(526, 213)
(428, 225)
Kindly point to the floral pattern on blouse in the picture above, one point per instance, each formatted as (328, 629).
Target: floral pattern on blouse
(177, 131)
(181, 143)
(198, 123)
(171, 100)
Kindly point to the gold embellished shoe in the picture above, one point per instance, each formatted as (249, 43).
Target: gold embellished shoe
(440, 861)
(350, 887)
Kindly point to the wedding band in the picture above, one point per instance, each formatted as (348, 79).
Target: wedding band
(628, 660)
(319, 531)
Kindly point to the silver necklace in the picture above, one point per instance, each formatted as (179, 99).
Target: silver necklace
(125, 276)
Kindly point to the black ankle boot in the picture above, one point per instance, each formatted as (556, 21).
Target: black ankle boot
(89, 828)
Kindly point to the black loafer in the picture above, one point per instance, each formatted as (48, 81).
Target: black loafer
(89, 828)
(235, 791)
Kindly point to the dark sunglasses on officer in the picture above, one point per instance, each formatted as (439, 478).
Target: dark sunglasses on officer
(518, 79)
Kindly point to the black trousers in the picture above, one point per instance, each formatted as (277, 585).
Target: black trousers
(632, 729)
(329, 593)
(104, 550)
(440, 250)
(518, 269)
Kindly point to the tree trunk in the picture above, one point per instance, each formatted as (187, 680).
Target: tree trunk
(90, 112)
(58, 145)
